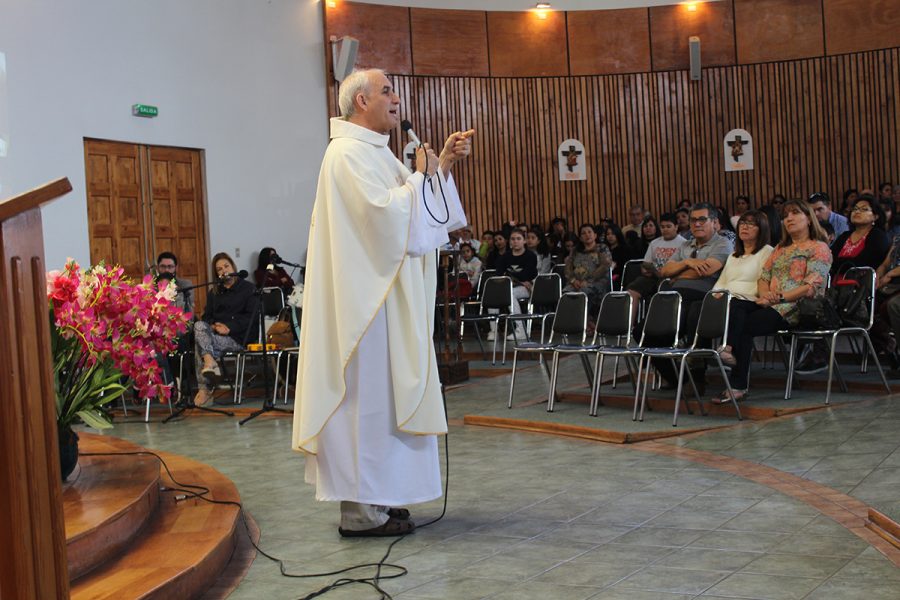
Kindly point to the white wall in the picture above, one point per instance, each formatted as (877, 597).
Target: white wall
(242, 79)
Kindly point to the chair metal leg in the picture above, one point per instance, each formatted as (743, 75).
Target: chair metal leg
(884, 380)
(595, 389)
(586, 365)
(277, 375)
(830, 366)
(644, 395)
(615, 373)
(554, 372)
(637, 388)
(512, 381)
(792, 355)
(678, 388)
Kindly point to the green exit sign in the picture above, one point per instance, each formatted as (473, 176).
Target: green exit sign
(144, 110)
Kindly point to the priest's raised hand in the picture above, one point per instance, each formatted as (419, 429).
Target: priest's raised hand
(457, 147)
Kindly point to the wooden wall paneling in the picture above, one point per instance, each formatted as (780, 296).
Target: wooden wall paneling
(671, 26)
(522, 45)
(449, 42)
(854, 26)
(382, 31)
(769, 30)
(608, 41)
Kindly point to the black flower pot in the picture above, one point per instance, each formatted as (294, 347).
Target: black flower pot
(68, 451)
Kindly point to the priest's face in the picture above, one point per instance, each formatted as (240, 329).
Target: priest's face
(379, 107)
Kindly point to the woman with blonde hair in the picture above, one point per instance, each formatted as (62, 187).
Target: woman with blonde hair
(797, 268)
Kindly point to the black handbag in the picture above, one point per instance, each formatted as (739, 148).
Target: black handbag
(817, 313)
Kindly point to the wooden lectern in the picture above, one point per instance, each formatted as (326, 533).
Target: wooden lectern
(32, 528)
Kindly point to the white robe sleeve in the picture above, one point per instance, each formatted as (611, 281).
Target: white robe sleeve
(426, 231)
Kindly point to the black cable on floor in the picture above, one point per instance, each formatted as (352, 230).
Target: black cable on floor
(198, 491)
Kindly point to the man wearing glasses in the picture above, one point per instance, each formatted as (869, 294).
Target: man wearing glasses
(821, 205)
(167, 268)
(693, 270)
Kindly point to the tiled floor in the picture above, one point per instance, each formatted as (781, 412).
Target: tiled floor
(537, 516)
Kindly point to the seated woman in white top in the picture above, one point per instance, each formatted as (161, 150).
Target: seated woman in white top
(742, 270)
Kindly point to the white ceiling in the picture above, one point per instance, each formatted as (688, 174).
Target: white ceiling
(521, 5)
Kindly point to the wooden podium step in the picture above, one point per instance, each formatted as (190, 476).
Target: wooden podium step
(128, 539)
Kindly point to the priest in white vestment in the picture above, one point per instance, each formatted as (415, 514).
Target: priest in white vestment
(368, 405)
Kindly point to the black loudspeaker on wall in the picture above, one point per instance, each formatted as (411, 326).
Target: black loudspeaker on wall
(343, 56)
(694, 45)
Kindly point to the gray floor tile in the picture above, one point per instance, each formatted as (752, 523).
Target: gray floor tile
(765, 586)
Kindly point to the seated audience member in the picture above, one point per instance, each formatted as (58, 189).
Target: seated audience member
(559, 231)
(268, 274)
(464, 236)
(684, 222)
(660, 250)
(828, 230)
(777, 202)
(685, 204)
(619, 249)
(866, 244)
(537, 243)
(741, 205)
(649, 232)
(487, 244)
(891, 224)
(520, 265)
(796, 269)
(821, 204)
(693, 269)
(885, 192)
(569, 245)
(742, 271)
(469, 263)
(887, 315)
(228, 323)
(723, 225)
(500, 248)
(636, 216)
(850, 197)
(167, 268)
(587, 268)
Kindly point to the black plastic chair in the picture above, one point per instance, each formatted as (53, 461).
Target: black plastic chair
(545, 293)
(866, 277)
(569, 321)
(712, 325)
(613, 321)
(662, 322)
(497, 296)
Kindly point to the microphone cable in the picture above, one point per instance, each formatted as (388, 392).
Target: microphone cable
(187, 491)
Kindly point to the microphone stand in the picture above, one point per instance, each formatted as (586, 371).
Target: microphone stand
(268, 403)
(185, 397)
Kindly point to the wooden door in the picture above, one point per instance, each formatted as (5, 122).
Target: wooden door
(177, 220)
(116, 220)
(143, 200)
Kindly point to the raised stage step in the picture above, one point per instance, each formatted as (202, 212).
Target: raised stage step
(181, 548)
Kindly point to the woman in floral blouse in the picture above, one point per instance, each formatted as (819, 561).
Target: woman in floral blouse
(587, 268)
(798, 268)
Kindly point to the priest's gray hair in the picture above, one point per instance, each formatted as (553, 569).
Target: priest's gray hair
(355, 83)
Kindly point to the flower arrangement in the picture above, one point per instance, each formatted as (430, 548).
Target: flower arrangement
(105, 328)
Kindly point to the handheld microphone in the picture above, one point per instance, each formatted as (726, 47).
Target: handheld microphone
(241, 274)
(277, 260)
(406, 126)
